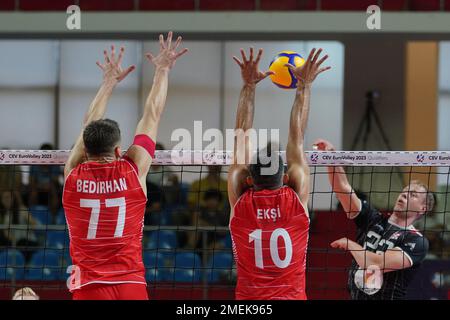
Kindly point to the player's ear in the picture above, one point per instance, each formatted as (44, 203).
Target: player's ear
(117, 152)
(285, 178)
(84, 152)
(249, 181)
(424, 210)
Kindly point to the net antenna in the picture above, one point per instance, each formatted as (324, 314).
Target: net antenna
(365, 130)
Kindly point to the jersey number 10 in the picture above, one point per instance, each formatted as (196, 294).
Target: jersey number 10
(256, 236)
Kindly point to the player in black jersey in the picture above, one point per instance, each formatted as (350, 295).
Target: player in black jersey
(388, 249)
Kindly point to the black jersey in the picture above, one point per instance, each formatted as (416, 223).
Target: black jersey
(376, 234)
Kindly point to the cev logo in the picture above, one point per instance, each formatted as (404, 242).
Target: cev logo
(2, 156)
(314, 157)
(208, 156)
(420, 157)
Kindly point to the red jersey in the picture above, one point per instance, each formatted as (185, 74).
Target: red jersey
(269, 230)
(104, 205)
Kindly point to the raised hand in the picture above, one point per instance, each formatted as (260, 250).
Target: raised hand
(167, 52)
(249, 67)
(308, 72)
(323, 145)
(112, 69)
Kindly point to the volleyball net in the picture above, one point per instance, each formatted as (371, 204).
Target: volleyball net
(187, 247)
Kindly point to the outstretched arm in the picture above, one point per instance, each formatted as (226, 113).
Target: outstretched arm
(340, 185)
(298, 169)
(391, 260)
(112, 75)
(156, 100)
(238, 171)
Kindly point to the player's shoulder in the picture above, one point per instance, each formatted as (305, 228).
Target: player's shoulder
(118, 166)
(375, 213)
(126, 162)
(74, 171)
(289, 193)
(247, 195)
(288, 190)
(413, 232)
(415, 239)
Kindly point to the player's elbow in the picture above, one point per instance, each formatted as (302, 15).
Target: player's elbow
(295, 139)
(294, 155)
(153, 109)
(389, 262)
(151, 114)
(351, 214)
(148, 121)
(91, 116)
(339, 184)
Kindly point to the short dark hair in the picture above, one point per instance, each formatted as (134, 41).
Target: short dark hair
(46, 146)
(159, 146)
(101, 136)
(262, 180)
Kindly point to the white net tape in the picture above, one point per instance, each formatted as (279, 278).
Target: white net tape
(193, 157)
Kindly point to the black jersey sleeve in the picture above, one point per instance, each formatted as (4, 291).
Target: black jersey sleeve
(415, 246)
(367, 216)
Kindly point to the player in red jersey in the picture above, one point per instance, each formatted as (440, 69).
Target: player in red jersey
(105, 194)
(269, 220)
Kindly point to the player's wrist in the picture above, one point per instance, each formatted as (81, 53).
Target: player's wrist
(110, 82)
(302, 84)
(351, 245)
(164, 69)
(250, 85)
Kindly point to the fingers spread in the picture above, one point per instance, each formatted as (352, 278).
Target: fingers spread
(105, 53)
(323, 69)
(258, 57)
(316, 56)
(322, 60)
(162, 46)
(113, 54)
(126, 72)
(244, 57)
(100, 65)
(119, 59)
(182, 51)
(311, 54)
(149, 56)
(238, 61)
(290, 66)
(169, 40)
(177, 43)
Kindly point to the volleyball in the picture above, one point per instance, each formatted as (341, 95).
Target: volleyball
(283, 77)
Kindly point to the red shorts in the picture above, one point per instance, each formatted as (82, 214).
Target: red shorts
(122, 291)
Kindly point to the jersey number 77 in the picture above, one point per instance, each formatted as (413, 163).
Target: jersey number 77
(94, 204)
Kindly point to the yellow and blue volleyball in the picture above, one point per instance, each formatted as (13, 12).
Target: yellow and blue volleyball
(283, 77)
